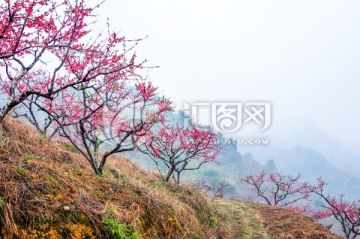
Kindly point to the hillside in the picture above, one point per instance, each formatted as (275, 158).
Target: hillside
(47, 190)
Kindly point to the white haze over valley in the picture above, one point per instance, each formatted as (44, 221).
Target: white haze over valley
(303, 56)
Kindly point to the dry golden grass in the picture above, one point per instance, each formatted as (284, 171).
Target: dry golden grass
(286, 224)
(45, 187)
(47, 190)
(248, 220)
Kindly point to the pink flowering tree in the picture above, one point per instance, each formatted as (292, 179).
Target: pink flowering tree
(277, 189)
(180, 149)
(45, 48)
(40, 119)
(308, 211)
(105, 119)
(347, 213)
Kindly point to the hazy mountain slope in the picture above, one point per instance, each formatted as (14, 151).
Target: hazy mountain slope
(309, 135)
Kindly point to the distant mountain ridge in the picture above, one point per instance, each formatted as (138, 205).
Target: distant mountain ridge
(309, 135)
(311, 165)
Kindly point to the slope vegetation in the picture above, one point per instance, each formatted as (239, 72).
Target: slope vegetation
(48, 191)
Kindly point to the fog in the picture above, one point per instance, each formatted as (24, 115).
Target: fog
(303, 56)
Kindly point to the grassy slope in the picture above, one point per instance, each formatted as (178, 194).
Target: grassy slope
(250, 220)
(48, 191)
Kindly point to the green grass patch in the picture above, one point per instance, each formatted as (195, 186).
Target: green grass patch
(22, 172)
(120, 231)
(70, 147)
(29, 157)
(159, 185)
(256, 226)
(213, 222)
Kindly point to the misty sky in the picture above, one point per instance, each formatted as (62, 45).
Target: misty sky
(303, 56)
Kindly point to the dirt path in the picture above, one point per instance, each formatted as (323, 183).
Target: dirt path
(241, 219)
